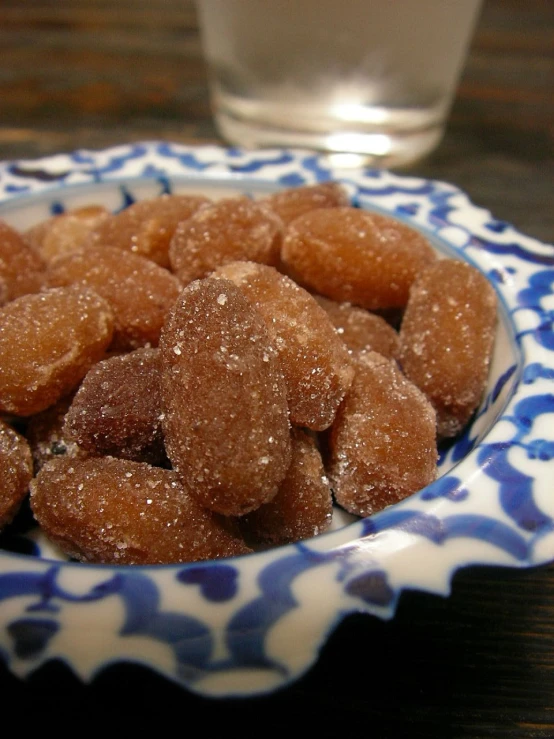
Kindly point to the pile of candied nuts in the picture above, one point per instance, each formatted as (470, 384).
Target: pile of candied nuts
(189, 378)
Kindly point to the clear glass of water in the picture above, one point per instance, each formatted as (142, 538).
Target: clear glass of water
(367, 81)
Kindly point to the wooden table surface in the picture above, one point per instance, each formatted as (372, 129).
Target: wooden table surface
(92, 73)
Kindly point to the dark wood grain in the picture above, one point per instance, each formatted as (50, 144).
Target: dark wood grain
(92, 73)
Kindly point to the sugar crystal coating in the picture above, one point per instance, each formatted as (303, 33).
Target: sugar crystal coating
(360, 329)
(447, 337)
(382, 443)
(293, 202)
(21, 268)
(16, 471)
(315, 362)
(303, 506)
(117, 408)
(225, 415)
(147, 226)
(48, 342)
(351, 255)
(230, 229)
(139, 291)
(115, 511)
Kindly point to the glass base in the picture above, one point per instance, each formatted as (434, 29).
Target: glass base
(375, 147)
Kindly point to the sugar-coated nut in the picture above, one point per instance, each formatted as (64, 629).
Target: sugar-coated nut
(139, 291)
(361, 330)
(21, 267)
(351, 255)
(293, 202)
(230, 229)
(115, 511)
(16, 471)
(382, 443)
(146, 227)
(117, 408)
(66, 232)
(315, 362)
(303, 505)
(48, 342)
(225, 415)
(447, 338)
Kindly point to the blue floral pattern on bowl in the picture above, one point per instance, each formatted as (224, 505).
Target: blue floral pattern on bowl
(250, 625)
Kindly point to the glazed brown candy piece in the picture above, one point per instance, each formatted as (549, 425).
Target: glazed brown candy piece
(46, 436)
(293, 202)
(447, 337)
(303, 506)
(382, 444)
(114, 511)
(48, 342)
(351, 255)
(117, 409)
(230, 229)
(21, 268)
(225, 421)
(66, 232)
(360, 329)
(16, 471)
(139, 291)
(315, 362)
(147, 226)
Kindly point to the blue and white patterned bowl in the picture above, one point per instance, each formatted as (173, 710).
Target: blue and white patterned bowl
(250, 625)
